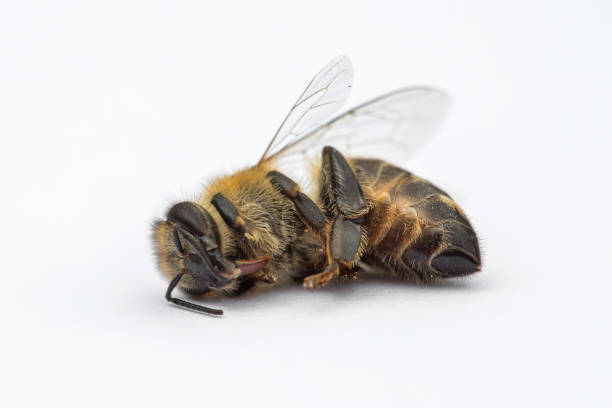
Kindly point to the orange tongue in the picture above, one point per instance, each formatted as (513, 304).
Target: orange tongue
(250, 266)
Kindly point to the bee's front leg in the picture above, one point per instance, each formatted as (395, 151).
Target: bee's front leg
(346, 208)
(307, 210)
(230, 215)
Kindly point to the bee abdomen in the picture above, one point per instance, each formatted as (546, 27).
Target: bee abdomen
(447, 246)
(415, 227)
(447, 251)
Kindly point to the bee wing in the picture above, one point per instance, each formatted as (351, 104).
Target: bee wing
(325, 94)
(388, 127)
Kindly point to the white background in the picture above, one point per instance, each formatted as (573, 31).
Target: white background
(110, 112)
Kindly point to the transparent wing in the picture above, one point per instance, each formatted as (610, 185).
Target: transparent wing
(389, 127)
(325, 94)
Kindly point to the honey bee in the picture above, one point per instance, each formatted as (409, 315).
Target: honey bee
(258, 226)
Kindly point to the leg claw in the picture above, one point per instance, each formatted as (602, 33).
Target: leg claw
(320, 279)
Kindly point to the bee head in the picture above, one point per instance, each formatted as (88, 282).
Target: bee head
(197, 240)
(188, 246)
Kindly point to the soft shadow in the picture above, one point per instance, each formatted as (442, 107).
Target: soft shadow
(343, 290)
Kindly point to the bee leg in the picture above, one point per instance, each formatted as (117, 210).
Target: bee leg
(343, 244)
(233, 220)
(308, 211)
(346, 207)
(322, 278)
(236, 222)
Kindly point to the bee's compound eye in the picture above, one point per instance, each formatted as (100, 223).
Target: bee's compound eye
(194, 265)
(193, 259)
(209, 243)
(199, 270)
(189, 216)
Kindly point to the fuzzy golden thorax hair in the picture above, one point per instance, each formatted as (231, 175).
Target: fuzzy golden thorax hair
(270, 221)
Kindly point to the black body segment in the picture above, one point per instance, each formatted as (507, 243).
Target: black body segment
(342, 184)
(416, 257)
(285, 185)
(430, 239)
(227, 211)
(308, 211)
(452, 262)
(346, 205)
(345, 209)
(418, 189)
(193, 218)
(230, 216)
(463, 238)
(345, 239)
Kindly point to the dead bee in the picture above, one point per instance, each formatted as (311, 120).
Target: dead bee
(258, 226)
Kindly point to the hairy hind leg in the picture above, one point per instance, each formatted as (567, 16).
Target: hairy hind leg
(346, 208)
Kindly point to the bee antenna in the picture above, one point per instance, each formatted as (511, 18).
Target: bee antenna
(185, 304)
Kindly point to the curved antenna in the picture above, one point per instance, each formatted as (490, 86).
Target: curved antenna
(184, 303)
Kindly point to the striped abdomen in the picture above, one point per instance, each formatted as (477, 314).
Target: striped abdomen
(415, 228)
